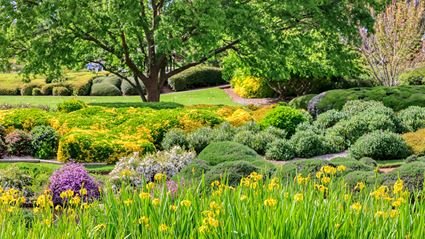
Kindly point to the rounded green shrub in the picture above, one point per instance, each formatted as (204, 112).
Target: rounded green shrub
(224, 132)
(27, 89)
(369, 161)
(232, 172)
(412, 175)
(128, 89)
(26, 119)
(219, 152)
(256, 141)
(301, 102)
(174, 137)
(380, 145)
(303, 167)
(279, 133)
(351, 164)
(71, 105)
(110, 80)
(104, 89)
(284, 117)
(194, 170)
(44, 142)
(368, 177)
(195, 77)
(199, 139)
(19, 143)
(334, 143)
(250, 126)
(37, 92)
(412, 118)
(329, 119)
(307, 144)
(61, 91)
(3, 148)
(280, 150)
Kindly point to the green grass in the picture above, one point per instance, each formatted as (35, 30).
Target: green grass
(95, 169)
(214, 96)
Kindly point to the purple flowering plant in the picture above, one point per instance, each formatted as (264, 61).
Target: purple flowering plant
(73, 176)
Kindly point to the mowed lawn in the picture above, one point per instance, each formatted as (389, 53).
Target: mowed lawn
(214, 96)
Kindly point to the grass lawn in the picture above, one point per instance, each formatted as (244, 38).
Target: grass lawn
(204, 96)
(96, 169)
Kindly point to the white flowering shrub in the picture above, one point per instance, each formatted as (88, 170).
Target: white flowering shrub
(136, 170)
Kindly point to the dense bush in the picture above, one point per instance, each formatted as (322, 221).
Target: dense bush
(194, 170)
(329, 119)
(13, 177)
(307, 144)
(413, 77)
(369, 178)
(13, 91)
(412, 118)
(354, 107)
(303, 167)
(351, 164)
(219, 152)
(231, 172)
(25, 119)
(37, 92)
(19, 143)
(137, 170)
(71, 105)
(224, 132)
(396, 98)
(73, 177)
(334, 143)
(284, 117)
(174, 137)
(150, 105)
(416, 141)
(27, 89)
(128, 89)
(44, 142)
(251, 87)
(276, 132)
(196, 77)
(380, 145)
(2, 132)
(104, 89)
(369, 161)
(3, 148)
(61, 91)
(280, 150)
(257, 141)
(301, 102)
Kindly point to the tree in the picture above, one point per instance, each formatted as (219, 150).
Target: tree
(303, 41)
(395, 43)
(132, 39)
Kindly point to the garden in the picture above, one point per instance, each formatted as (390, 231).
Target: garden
(212, 119)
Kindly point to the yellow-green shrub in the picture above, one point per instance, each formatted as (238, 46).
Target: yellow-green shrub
(251, 87)
(416, 140)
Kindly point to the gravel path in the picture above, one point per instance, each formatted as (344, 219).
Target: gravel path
(236, 98)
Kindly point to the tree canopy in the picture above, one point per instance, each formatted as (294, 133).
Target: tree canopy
(151, 40)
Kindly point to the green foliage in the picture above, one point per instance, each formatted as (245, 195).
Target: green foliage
(37, 92)
(105, 89)
(195, 170)
(284, 117)
(354, 107)
(3, 148)
(280, 150)
(251, 87)
(413, 77)
(26, 119)
(196, 77)
(412, 175)
(128, 89)
(219, 152)
(301, 102)
(369, 161)
(351, 164)
(44, 142)
(257, 141)
(231, 171)
(380, 145)
(303, 167)
(412, 118)
(396, 98)
(224, 132)
(199, 139)
(329, 119)
(174, 137)
(367, 177)
(61, 91)
(151, 105)
(307, 144)
(27, 89)
(71, 105)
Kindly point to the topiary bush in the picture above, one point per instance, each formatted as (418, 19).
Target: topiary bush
(44, 142)
(26, 89)
(416, 141)
(280, 150)
(412, 118)
(137, 170)
(224, 132)
(307, 144)
(195, 77)
(199, 139)
(284, 117)
(301, 102)
(175, 137)
(104, 89)
(19, 143)
(73, 177)
(380, 145)
(219, 152)
(351, 164)
(37, 92)
(232, 172)
(256, 141)
(61, 91)
(329, 119)
(71, 105)
(128, 89)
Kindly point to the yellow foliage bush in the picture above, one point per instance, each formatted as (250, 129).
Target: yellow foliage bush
(239, 117)
(416, 140)
(251, 87)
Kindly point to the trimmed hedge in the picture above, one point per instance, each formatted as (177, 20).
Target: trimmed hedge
(61, 91)
(71, 105)
(380, 145)
(195, 77)
(105, 89)
(227, 151)
(396, 98)
(284, 117)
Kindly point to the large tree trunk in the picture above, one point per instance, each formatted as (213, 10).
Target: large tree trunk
(153, 93)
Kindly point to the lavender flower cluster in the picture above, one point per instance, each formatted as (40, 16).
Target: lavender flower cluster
(73, 177)
(136, 170)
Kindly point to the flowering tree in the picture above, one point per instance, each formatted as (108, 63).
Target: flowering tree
(395, 44)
